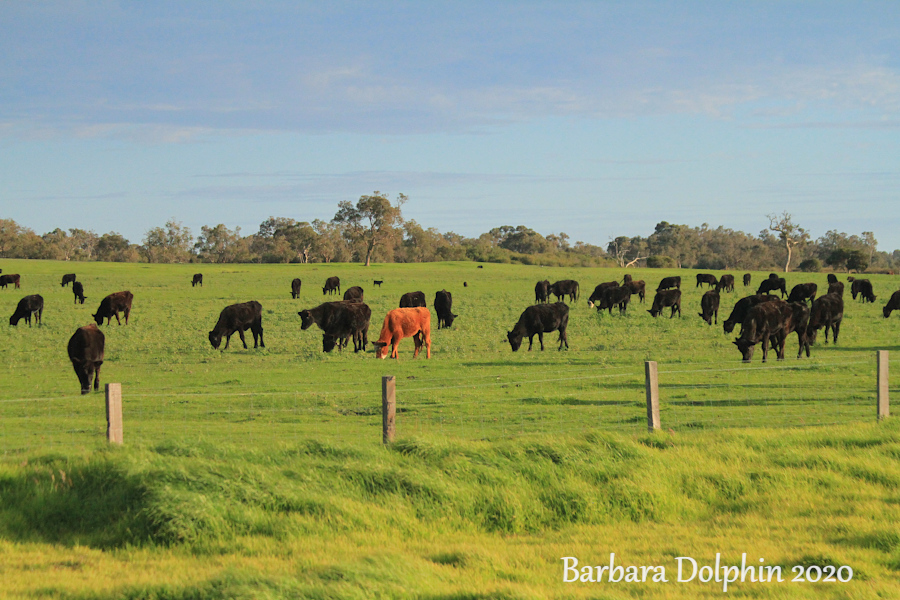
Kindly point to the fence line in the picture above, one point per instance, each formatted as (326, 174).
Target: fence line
(723, 397)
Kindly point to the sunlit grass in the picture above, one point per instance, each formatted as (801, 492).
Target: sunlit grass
(260, 472)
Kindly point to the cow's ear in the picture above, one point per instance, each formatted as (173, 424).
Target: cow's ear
(735, 342)
(379, 344)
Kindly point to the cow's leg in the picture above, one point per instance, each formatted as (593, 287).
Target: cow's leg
(118, 322)
(127, 313)
(240, 332)
(540, 339)
(836, 328)
(97, 376)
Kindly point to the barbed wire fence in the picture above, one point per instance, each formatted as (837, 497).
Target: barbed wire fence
(475, 407)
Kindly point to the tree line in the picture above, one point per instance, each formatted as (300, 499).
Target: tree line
(373, 230)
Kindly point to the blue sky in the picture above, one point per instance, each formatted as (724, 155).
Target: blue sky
(593, 118)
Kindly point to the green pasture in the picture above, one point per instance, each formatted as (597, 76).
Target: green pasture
(260, 473)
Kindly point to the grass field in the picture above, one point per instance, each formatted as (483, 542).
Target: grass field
(261, 473)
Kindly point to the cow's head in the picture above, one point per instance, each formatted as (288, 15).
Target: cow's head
(98, 319)
(654, 311)
(449, 320)
(381, 350)
(591, 304)
(215, 339)
(707, 318)
(515, 340)
(328, 342)
(746, 347)
(728, 326)
(306, 320)
(887, 311)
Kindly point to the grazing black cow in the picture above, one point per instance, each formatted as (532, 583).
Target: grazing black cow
(707, 278)
(832, 278)
(378, 282)
(615, 296)
(799, 323)
(863, 288)
(669, 282)
(295, 288)
(836, 287)
(238, 318)
(666, 298)
(802, 291)
(443, 305)
(197, 279)
(540, 319)
(827, 311)
(746, 279)
(542, 291)
(412, 299)
(726, 283)
(86, 353)
(12, 278)
(354, 294)
(111, 305)
(597, 294)
(67, 279)
(29, 305)
(763, 325)
(563, 288)
(771, 284)
(465, 284)
(339, 321)
(332, 286)
(709, 307)
(637, 287)
(78, 290)
(893, 304)
(742, 307)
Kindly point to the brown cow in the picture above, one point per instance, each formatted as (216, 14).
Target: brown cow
(78, 290)
(29, 305)
(709, 307)
(707, 278)
(892, 305)
(542, 291)
(666, 298)
(111, 305)
(742, 307)
(827, 311)
(332, 286)
(354, 294)
(13, 278)
(414, 322)
(86, 353)
(238, 318)
(412, 300)
(763, 321)
(726, 283)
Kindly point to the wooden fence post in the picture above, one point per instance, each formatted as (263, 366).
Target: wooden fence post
(651, 383)
(388, 408)
(114, 413)
(884, 407)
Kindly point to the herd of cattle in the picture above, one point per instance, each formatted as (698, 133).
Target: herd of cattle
(766, 319)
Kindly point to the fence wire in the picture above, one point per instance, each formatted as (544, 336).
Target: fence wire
(486, 406)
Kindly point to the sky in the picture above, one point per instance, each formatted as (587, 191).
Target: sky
(597, 119)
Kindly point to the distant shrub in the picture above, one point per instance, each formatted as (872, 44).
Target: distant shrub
(810, 265)
(660, 261)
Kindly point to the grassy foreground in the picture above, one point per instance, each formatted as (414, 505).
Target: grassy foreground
(259, 473)
(441, 519)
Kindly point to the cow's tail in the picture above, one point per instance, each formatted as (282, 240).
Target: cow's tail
(577, 291)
